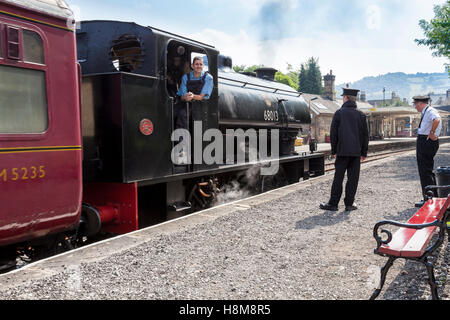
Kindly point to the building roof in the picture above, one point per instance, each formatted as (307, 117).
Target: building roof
(440, 99)
(323, 106)
(57, 8)
(320, 105)
(443, 108)
(361, 105)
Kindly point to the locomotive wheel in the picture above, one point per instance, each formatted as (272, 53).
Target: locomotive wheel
(6, 266)
(203, 194)
(91, 221)
(7, 259)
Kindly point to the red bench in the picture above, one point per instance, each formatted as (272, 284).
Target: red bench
(411, 241)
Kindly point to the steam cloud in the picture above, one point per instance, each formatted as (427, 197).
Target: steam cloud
(272, 23)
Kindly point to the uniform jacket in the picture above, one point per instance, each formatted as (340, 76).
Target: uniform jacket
(349, 133)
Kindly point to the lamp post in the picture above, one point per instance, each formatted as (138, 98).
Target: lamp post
(312, 142)
(384, 105)
(315, 98)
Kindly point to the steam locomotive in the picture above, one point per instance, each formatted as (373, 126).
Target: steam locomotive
(86, 123)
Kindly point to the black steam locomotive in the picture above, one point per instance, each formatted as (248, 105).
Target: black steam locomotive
(130, 76)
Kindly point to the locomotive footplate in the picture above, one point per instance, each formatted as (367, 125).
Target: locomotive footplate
(310, 165)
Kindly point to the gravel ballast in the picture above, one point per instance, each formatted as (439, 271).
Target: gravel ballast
(281, 249)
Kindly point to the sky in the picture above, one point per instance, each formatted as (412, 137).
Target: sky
(353, 38)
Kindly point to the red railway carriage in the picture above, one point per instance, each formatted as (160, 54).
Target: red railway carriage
(40, 135)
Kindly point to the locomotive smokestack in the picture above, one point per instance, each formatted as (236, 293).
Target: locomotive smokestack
(225, 62)
(266, 73)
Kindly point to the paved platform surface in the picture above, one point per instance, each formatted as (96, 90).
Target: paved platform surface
(276, 245)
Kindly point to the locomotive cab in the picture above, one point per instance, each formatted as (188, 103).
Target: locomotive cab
(131, 75)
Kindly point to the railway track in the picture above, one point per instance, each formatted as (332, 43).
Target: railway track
(329, 166)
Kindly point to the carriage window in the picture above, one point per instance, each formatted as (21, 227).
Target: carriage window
(23, 100)
(33, 48)
(13, 45)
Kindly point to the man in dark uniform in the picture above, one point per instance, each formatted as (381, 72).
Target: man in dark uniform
(427, 142)
(349, 144)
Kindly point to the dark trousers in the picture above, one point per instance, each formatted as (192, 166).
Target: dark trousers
(352, 166)
(425, 152)
(180, 116)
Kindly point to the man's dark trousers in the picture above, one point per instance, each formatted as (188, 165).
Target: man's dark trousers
(352, 166)
(425, 152)
(180, 115)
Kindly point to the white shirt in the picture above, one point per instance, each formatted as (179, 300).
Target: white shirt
(429, 115)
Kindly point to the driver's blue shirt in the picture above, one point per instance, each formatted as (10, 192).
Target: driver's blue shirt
(207, 87)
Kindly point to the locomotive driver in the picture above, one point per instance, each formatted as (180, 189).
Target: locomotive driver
(195, 85)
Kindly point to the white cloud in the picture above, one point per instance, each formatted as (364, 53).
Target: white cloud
(373, 17)
(348, 61)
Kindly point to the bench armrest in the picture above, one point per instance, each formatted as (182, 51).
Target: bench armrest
(436, 187)
(380, 242)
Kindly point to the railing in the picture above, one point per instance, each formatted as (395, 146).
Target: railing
(261, 86)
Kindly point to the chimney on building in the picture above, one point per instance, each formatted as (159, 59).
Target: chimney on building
(328, 90)
(448, 93)
(266, 73)
(363, 96)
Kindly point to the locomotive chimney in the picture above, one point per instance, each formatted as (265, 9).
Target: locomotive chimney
(225, 61)
(266, 73)
(363, 96)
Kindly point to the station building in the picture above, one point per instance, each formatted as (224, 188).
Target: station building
(384, 122)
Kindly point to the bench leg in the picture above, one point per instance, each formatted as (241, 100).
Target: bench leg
(432, 280)
(384, 272)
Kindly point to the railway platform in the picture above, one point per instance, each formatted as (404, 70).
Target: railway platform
(376, 145)
(277, 246)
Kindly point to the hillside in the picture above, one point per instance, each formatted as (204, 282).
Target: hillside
(404, 85)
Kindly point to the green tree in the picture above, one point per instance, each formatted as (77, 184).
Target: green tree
(310, 77)
(437, 31)
(285, 79)
(293, 74)
(240, 68)
(244, 68)
(302, 78)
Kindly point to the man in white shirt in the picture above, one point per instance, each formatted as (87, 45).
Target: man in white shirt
(427, 141)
